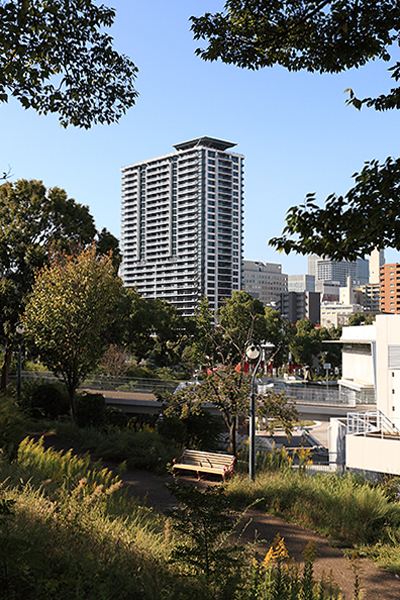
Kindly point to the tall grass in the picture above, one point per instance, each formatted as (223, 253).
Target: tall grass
(344, 507)
(71, 532)
(67, 532)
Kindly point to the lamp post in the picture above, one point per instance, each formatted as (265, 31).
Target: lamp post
(20, 330)
(253, 352)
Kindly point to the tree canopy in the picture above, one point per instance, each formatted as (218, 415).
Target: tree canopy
(34, 223)
(306, 343)
(55, 57)
(69, 311)
(228, 389)
(325, 36)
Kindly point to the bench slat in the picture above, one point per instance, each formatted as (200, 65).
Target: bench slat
(206, 462)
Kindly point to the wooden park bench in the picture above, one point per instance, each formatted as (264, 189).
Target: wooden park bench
(205, 462)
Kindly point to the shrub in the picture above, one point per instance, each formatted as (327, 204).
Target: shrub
(343, 507)
(91, 410)
(116, 418)
(203, 431)
(173, 428)
(141, 373)
(198, 431)
(12, 427)
(48, 401)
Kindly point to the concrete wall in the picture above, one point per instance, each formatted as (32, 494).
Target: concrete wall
(388, 368)
(373, 454)
(358, 367)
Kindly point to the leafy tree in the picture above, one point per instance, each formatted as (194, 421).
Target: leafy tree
(219, 344)
(331, 353)
(55, 57)
(107, 242)
(171, 330)
(368, 216)
(228, 389)
(222, 336)
(208, 339)
(306, 343)
(356, 319)
(241, 318)
(33, 222)
(114, 361)
(153, 328)
(362, 319)
(204, 525)
(69, 311)
(325, 36)
(279, 332)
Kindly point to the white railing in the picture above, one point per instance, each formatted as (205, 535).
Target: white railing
(371, 422)
(323, 395)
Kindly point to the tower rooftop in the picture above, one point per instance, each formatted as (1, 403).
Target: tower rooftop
(205, 141)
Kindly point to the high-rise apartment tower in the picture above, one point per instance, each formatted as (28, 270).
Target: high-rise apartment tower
(181, 234)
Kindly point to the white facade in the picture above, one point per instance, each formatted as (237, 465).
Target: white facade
(335, 314)
(388, 366)
(181, 232)
(371, 359)
(376, 261)
(358, 370)
(264, 280)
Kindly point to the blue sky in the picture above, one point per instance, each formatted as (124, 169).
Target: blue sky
(294, 129)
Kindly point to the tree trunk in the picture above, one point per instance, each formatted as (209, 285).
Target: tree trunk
(232, 436)
(6, 365)
(71, 392)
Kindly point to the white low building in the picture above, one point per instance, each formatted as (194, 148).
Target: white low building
(336, 314)
(370, 441)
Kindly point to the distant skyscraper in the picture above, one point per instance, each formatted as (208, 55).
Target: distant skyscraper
(181, 233)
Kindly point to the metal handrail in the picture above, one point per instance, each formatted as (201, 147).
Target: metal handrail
(371, 422)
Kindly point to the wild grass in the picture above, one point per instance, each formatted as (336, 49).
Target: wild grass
(68, 532)
(345, 507)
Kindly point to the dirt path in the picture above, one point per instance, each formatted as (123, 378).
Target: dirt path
(377, 583)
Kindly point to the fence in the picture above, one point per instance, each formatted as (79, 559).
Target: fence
(119, 384)
(311, 394)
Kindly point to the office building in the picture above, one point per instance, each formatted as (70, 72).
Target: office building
(295, 306)
(329, 290)
(336, 314)
(330, 270)
(389, 288)
(264, 280)
(301, 283)
(181, 233)
(368, 296)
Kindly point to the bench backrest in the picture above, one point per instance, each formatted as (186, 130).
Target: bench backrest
(213, 458)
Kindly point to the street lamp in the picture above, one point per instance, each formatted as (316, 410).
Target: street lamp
(253, 352)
